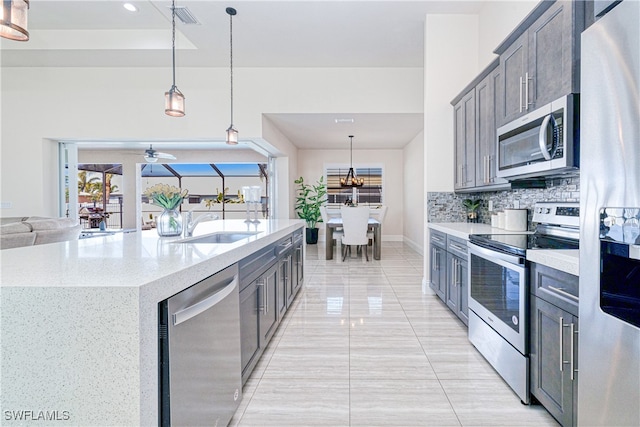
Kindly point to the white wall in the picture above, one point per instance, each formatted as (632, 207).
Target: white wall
(108, 103)
(449, 67)
(312, 163)
(497, 20)
(413, 193)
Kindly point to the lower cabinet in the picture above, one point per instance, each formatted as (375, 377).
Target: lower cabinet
(554, 346)
(438, 262)
(268, 303)
(450, 272)
(269, 281)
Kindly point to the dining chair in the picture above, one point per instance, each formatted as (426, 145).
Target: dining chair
(355, 221)
(337, 232)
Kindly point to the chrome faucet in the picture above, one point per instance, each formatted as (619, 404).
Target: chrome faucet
(190, 224)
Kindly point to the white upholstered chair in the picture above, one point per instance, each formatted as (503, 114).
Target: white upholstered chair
(355, 221)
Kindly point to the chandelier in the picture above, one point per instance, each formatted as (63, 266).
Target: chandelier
(351, 180)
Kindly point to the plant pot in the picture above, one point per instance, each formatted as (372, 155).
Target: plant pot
(312, 236)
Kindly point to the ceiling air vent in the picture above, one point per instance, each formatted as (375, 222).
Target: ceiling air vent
(185, 15)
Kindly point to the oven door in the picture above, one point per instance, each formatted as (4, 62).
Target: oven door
(498, 293)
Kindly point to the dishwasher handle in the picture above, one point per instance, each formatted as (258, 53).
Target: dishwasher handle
(205, 304)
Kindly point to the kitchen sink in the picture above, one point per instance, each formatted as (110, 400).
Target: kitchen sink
(219, 237)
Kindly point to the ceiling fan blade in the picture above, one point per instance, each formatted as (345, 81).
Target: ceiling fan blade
(164, 155)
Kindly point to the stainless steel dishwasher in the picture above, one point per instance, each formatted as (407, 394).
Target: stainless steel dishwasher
(199, 351)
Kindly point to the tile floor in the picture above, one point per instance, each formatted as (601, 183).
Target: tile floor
(365, 345)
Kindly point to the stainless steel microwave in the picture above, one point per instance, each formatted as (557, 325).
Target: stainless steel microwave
(543, 143)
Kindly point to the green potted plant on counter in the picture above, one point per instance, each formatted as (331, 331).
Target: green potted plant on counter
(309, 198)
(472, 207)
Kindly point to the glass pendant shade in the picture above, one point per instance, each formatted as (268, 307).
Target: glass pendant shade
(13, 22)
(232, 136)
(174, 102)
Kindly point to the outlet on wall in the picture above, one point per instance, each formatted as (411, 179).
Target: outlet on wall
(516, 204)
(490, 205)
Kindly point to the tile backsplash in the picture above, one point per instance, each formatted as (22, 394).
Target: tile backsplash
(447, 207)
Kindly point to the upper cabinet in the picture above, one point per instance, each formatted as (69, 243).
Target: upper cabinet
(540, 60)
(464, 117)
(474, 117)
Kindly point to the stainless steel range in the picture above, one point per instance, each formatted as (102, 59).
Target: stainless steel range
(499, 289)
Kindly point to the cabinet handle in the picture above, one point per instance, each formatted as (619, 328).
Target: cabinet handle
(453, 271)
(521, 94)
(434, 267)
(562, 292)
(486, 169)
(562, 326)
(526, 91)
(261, 302)
(573, 335)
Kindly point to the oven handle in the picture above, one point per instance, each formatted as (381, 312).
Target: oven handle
(491, 254)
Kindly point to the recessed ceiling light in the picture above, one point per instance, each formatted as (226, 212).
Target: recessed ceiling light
(130, 7)
(344, 120)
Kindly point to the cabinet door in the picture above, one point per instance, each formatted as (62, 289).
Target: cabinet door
(486, 144)
(551, 47)
(552, 360)
(269, 316)
(463, 290)
(249, 328)
(465, 141)
(438, 271)
(513, 66)
(452, 295)
(298, 268)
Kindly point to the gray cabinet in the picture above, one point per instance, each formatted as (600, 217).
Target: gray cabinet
(269, 281)
(475, 133)
(539, 61)
(267, 304)
(449, 272)
(465, 141)
(486, 105)
(438, 260)
(554, 343)
(457, 298)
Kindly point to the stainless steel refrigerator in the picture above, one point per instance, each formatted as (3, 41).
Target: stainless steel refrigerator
(609, 336)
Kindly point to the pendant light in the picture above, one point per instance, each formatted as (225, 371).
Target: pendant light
(232, 133)
(13, 22)
(351, 180)
(174, 99)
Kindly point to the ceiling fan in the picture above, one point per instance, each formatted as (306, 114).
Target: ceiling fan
(152, 156)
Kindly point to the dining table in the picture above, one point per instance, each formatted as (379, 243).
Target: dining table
(336, 222)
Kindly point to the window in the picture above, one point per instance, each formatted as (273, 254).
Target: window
(369, 194)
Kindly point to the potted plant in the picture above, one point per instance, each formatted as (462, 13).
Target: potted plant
(472, 209)
(309, 198)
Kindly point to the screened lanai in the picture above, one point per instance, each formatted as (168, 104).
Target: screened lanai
(213, 187)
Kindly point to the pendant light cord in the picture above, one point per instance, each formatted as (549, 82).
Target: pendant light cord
(173, 40)
(231, 60)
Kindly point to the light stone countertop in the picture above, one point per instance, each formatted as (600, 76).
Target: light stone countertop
(79, 319)
(463, 230)
(567, 260)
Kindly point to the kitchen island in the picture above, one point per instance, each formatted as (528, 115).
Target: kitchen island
(79, 322)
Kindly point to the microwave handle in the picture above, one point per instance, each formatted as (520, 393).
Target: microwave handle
(542, 137)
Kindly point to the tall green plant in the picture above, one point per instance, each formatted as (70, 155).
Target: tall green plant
(309, 198)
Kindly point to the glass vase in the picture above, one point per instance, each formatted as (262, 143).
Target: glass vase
(169, 223)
